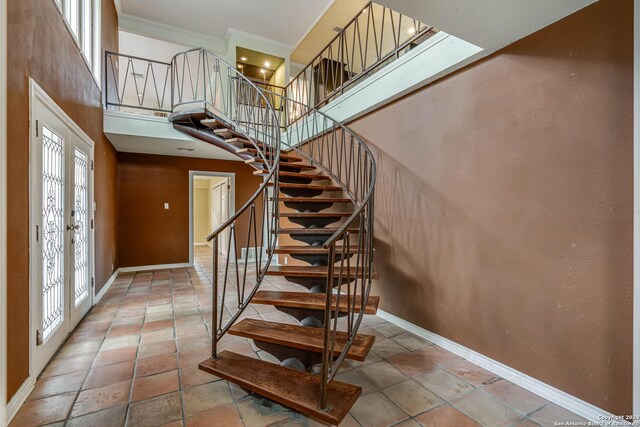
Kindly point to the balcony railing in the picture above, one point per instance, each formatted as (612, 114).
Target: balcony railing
(137, 84)
(375, 37)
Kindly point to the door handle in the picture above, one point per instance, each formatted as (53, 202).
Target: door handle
(73, 227)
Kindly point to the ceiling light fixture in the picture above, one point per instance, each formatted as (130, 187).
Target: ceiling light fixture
(243, 58)
(267, 64)
(411, 31)
(240, 65)
(262, 70)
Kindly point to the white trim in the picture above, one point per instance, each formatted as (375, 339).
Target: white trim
(200, 244)
(106, 287)
(154, 267)
(552, 394)
(37, 94)
(3, 206)
(636, 210)
(232, 201)
(277, 48)
(19, 398)
(313, 25)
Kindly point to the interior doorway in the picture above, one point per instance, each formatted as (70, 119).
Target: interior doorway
(212, 203)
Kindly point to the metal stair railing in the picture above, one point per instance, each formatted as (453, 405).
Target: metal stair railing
(202, 81)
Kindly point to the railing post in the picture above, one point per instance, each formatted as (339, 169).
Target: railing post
(214, 305)
(326, 356)
(106, 82)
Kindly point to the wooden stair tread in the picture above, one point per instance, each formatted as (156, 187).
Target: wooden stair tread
(311, 176)
(312, 301)
(314, 199)
(228, 133)
(297, 390)
(286, 164)
(319, 230)
(267, 152)
(311, 250)
(301, 337)
(314, 214)
(216, 124)
(308, 186)
(314, 271)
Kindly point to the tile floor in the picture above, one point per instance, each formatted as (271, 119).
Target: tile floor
(134, 361)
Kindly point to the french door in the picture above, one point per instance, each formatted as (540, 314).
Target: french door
(62, 213)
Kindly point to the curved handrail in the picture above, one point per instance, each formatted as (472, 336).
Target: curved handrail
(221, 91)
(202, 82)
(318, 128)
(360, 204)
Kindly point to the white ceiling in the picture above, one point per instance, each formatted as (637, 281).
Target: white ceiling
(489, 24)
(169, 147)
(213, 18)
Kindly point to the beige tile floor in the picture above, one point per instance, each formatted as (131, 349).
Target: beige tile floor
(133, 361)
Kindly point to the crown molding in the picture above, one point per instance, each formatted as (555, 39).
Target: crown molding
(275, 47)
(169, 33)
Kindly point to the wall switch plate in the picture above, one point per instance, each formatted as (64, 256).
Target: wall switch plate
(166, 205)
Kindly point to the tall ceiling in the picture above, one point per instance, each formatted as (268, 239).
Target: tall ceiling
(284, 21)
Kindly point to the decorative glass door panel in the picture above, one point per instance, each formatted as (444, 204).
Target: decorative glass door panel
(53, 233)
(61, 245)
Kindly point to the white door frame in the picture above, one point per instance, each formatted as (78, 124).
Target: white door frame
(636, 209)
(231, 200)
(37, 94)
(3, 208)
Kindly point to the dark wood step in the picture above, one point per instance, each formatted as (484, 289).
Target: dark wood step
(301, 337)
(291, 165)
(308, 186)
(314, 199)
(268, 153)
(312, 301)
(315, 271)
(295, 175)
(297, 390)
(313, 214)
(312, 250)
(323, 230)
(216, 124)
(228, 133)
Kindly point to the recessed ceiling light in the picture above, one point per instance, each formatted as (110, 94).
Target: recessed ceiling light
(267, 64)
(185, 149)
(243, 58)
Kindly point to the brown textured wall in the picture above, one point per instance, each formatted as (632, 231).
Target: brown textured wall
(504, 205)
(105, 175)
(149, 234)
(39, 46)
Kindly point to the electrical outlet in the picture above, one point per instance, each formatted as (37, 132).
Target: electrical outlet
(286, 260)
(166, 205)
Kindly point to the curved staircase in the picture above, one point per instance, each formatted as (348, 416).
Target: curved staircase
(315, 208)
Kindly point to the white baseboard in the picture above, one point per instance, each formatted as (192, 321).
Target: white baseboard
(106, 287)
(201, 244)
(552, 394)
(19, 398)
(154, 267)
